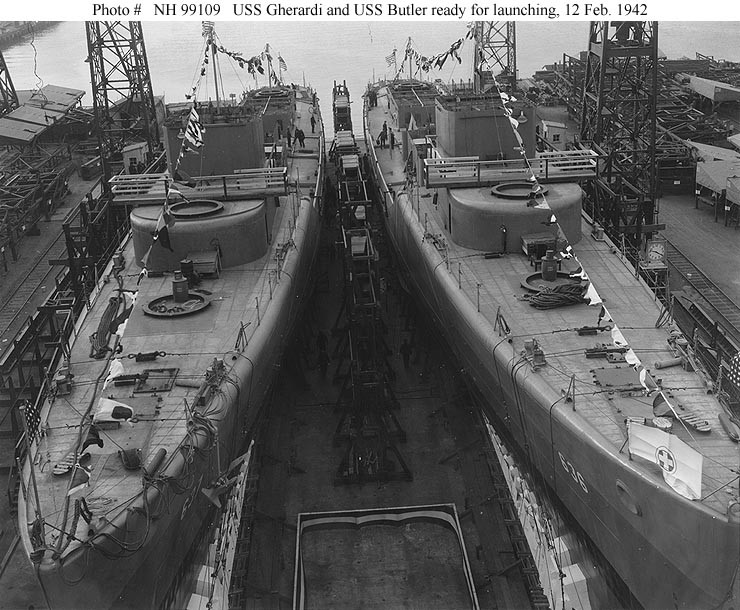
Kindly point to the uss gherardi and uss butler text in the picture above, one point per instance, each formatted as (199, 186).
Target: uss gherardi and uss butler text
(474, 10)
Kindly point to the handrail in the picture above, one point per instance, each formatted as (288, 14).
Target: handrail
(548, 167)
(150, 188)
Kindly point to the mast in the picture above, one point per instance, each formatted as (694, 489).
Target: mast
(210, 33)
(269, 64)
(408, 56)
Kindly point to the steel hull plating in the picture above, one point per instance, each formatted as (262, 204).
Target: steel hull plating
(663, 546)
(151, 577)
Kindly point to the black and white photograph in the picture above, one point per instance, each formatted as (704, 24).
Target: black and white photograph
(312, 306)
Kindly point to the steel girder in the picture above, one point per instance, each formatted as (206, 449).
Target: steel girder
(121, 88)
(8, 96)
(619, 115)
(495, 46)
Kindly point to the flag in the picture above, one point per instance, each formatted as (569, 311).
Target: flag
(391, 59)
(734, 373)
(282, 64)
(681, 465)
(194, 129)
(646, 381)
(164, 222)
(80, 479)
(143, 273)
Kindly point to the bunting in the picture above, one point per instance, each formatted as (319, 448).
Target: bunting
(80, 479)
(194, 129)
(164, 223)
(426, 63)
(253, 64)
(681, 465)
(734, 373)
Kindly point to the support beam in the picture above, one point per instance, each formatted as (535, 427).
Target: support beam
(619, 115)
(495, 46)
(8, 96)
(121, 88)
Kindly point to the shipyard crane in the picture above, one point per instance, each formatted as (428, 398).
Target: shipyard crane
(8, 96)
(121, 89)
(124, 113)
(618, 116)
(495, 46)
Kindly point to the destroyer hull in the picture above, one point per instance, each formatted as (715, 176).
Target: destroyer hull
(663, 546)
(157, 574)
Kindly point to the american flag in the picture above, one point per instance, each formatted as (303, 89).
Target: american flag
(282, 64)
(391, 59)
(164, 222)
(734, 374)
(194, 129)
(161, 233)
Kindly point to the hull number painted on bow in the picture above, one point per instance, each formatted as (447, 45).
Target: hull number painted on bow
(571, 470)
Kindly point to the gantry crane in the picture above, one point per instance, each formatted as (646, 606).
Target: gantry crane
(495, 46)
(8, 96)
(124, 113)
(618, 116)
(121, 88)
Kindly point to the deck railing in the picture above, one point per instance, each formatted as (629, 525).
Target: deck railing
(565, 166)
(142, 189)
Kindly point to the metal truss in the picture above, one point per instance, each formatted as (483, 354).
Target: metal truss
(495, 46)
(121, 88)
(619, 116)
(8, 96)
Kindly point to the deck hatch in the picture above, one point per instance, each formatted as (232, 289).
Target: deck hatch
(156, 380)
(619, 379)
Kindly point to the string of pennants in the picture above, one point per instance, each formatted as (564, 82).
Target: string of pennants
(427, 63)
(538, 194)
(254, 65)
(538, 200)
(192, 140)
(692, 488)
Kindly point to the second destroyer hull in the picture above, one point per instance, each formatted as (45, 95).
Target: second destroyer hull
(663, 546)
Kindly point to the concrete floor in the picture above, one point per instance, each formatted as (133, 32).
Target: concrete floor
(711, 246)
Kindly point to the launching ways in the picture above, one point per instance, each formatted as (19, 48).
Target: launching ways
(419, 522)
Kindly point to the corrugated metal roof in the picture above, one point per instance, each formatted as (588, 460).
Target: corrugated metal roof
(707, 152)
(714, 174)
(44, 108)
(714, 90)
(733, 190)
(54, 97)
(37, 116)
(19, 131)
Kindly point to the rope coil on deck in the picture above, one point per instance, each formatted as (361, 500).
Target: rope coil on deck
(557, 296)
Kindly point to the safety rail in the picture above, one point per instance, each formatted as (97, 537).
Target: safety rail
(144, 189)
(565, 166)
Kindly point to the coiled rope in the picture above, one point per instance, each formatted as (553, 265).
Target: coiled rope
(557, 296)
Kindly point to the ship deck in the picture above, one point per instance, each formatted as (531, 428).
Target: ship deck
(496, 284)
(240, 298)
